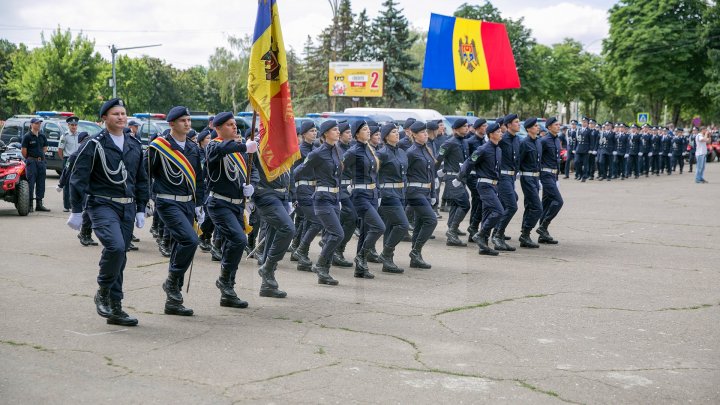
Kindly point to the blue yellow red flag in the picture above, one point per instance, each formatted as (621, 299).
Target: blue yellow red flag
(269, 92)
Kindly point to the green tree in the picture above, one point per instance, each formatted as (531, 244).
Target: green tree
(566, 73)
(7, 52)
(228, 72)
(362, 46)
(192, 87)
(343, 43)
(711, 40)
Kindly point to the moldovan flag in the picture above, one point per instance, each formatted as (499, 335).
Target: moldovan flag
(464, 54)
(269, 92)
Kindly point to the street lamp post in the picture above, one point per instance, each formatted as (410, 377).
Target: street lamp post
(113, 51)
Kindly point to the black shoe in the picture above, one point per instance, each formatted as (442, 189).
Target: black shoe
(417, 261)
(272, 293)
(583, 180)
(228, 297)
(339, 260)
(84, 239)
(461, 233)
(215, 254)
(40, 207)
(102, 302)
(267, 274)
(174, 308)
(373, 256)
(484, 249)
(134, 238)
(388, 265)
(131, 247)
(453, 239)
(323, 273)
(547, 241)
(526, 241)
(406, 238)
(171, 286)
(232, 302)
(120, 317)
(154, 232)
(91, 241)
(566, 177)
(205, 245)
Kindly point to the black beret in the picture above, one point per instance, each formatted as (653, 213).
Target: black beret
(510, 118)
(374, 129)
(386, 129)
(500, 120)
(530, 122)
(432, 126)
(203, 135)
(326, 126)
(550, 121)
(127, 131)
(306, 126)
(247, 133)
(133, 123)
(191, 133)
(459, 123)
(493, 127)
(409, 122)
(211, 118)
(417, 126)
(222, 118)
(356, 126)
(82, 135)
(343, 126)
(479, 122)
(72, 120)
(177, 112)
(372, 123)
(634, 126)
(113, 102)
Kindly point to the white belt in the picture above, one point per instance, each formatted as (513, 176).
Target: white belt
(305, 183)
(489, 181)
(508, 172)
(473, 172)
(420, 185)
(549, 170)
(121, 200)
(370, 186)
(530, 174)
(181, 198)
(228, 199)
(346, 182)
(279, 190)
(334, 190)
(392, 185)
(451, 173)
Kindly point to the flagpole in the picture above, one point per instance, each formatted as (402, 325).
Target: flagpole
(252, 136)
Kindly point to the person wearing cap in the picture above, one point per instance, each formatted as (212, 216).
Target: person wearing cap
(655, 150)
(375, 138)
(550, 159)
(621, 152)
(362, 163)
(571, 140)
(392, 180)
(85, 234)
(678, 148)
(34, 147)
(510, 147)
(529, 167)
(582, 149)
(207, 227)
(434, 142)
(451, 156)
(134, 127)
(174, 165)
(406, 129)
(634, 150)
(471, 144)
(594, 145)
(692, 147)
(109, 169)
(485, 162)
(228, 188)
(645, 150)
(68, 145)
(606, 147)
(666, 151)
(420, 193)
(324, 164)
(348, 214)
(209, 130)
(304, 189)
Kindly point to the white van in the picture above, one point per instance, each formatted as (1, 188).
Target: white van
(399, 115)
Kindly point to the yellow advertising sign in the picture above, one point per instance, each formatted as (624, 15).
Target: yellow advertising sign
(356, 79)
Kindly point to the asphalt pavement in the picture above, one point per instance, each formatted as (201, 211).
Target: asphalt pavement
(625, 309)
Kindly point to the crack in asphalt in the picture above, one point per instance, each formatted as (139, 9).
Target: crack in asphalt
(689, 308)
(488, 303)
(37, 347)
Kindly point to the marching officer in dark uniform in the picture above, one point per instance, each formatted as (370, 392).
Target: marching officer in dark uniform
(510, 147)
(174, 162)
(571, 136)
(348, 214)
(477, 140)
(645, 150)
(666, 153)
(34, 147)
(656, 160)
(621, 152)
(606, 150)
(85, 234)
(485, 161)
(452, 154)
(582, 149)
(116, 185)
(634, 162)
(678, 149)
(325, 164)
(552, 201)
(420, 193)
(529, 166)
(392, 180)
(434, 142)
(592, 154)
(227, 172)
(406, 139)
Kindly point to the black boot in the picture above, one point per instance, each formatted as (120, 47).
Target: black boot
(301, 256)
(40, 207)
(503, 238)
(164, 247)
(216, 250)
(387, 258)
(205, 244)
(102, 302)
(171, 286)
(482, 241)
(228, 297)
(154, 230)
(339, 260)
(134, 238)
(373, 256)
(416, 259)
(118, 316)
(526, 241)
(131, 246)
(269, 286)
(471, 234)
(452, 237)
(361, 266)
(175, 308)
(545, 235)
(322, 269)
(84, 239)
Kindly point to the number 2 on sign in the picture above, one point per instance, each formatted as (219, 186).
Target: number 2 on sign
(375, 76)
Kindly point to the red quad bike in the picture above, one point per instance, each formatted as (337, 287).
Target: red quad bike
(14, 187)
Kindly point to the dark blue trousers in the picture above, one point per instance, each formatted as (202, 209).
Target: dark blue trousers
(112, 223)
(475, 204)
(228, 219)
(329, 216)
(552, 201)
(493, 210)
(348, 219)
(280, 226)
(371, 225)
(179, 218)
(508, 199)
(425, 219)
(36, 171)
(392, 212)
(582, 165)
(311, 224)
(531, 198)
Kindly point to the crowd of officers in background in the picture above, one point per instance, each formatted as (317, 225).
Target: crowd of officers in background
(380, 182)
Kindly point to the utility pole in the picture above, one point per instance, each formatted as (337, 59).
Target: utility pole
(113, 51)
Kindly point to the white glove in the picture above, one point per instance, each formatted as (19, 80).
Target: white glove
(289, 208)
(340, 204)
(440, 173)
(456, 183)
(248, 190)
(251, 146)
(58, 188)
(433, 201)
(437, 183)
(379, 201)
(139, 220)
(200, 215)
(149, 208)
(669, 154)
(614, 153)
(640, 154)
(627, 156)
(650, 154)
(75, 221)
(349, 189)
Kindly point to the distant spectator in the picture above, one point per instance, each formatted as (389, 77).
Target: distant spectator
(701, 141)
